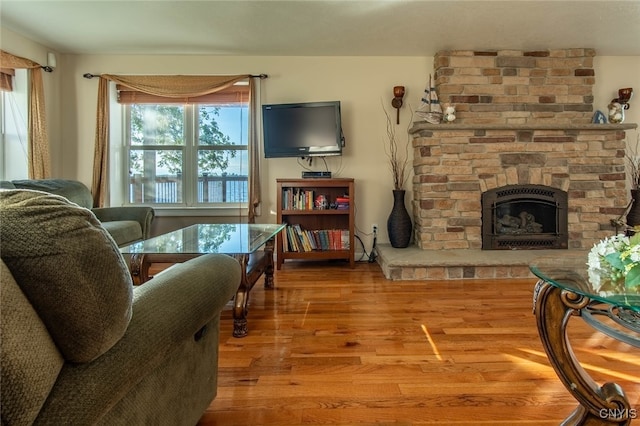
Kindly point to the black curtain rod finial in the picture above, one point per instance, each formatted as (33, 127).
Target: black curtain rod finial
(47, 68)
(88, 75)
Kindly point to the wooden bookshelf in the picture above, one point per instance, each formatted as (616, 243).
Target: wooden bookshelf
(298, 207)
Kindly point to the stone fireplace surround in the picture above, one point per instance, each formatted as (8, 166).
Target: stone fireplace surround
(453, 166)
(523, 118)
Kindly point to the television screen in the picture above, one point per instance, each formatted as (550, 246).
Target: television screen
(302, 129)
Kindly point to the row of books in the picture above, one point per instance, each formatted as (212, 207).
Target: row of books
(297, 199)
(296, 239)
(303, 199)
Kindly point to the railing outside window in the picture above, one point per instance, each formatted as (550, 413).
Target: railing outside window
(168, 189)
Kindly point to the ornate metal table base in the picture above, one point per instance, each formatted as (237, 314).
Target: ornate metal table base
(599, 405)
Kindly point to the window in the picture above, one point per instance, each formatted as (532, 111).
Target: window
(14, 112)
(187, 155)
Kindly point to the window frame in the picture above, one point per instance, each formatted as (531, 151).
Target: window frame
(190, 151)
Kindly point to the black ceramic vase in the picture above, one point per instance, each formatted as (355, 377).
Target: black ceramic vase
(399, 223)
(633, 216)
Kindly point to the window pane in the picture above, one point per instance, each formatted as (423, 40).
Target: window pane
(157, 124)
(223, 125)
(228, 185)
(155, 176)
(222, 173)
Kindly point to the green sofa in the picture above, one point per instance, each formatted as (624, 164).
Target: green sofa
(80, 345)
(125, 224)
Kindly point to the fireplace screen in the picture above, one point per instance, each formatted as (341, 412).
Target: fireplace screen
(524, 217)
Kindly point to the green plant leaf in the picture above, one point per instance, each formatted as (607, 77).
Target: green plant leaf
(635, 238)
(633, 277)
(615, 261)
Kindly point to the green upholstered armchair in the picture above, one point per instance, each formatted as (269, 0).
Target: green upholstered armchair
(125, 224)
(80, 345)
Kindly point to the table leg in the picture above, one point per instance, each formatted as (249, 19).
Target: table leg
(605, 405)
(139, 268)
(241, 299)
(268, 269)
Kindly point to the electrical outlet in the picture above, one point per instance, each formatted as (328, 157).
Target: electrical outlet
(374, 228)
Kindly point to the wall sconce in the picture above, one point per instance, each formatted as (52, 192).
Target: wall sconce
(624, 96)
(51, 62)
(398, 94)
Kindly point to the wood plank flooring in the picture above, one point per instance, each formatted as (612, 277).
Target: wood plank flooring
(340, 346)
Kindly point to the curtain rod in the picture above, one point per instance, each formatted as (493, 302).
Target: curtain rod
(90, 76)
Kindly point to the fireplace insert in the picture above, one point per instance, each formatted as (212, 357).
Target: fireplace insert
(524, 217)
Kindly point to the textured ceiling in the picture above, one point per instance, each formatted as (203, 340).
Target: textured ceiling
(328, 28)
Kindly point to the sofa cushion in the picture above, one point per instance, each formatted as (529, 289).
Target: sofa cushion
(30, 362)
(69, 268)
(124, 231)
(72, 190)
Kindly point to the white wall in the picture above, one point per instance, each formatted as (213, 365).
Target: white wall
(613, 73)
(360, 83)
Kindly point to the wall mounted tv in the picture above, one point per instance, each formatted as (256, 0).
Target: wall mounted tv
(302, 129)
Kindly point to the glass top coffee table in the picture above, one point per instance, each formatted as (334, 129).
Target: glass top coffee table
(251, 244)
(565, 290)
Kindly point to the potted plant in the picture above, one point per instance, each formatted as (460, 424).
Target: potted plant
(399, 226)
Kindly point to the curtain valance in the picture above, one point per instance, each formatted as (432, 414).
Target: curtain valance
(231, 95)
(175, 86)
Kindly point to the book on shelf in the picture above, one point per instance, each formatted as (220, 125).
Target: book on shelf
(297, 239)
(342, 203)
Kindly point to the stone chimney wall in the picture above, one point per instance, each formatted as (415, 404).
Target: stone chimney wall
(523, 118)
(516, 87)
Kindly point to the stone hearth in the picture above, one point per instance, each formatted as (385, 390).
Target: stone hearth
(413, 263)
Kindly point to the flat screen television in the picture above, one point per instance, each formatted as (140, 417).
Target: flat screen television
(302, 129)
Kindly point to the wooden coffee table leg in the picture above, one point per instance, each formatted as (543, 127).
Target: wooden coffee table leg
(268, 269)
(264, 265)
(241, 300)
(606, 405)
(139, 268)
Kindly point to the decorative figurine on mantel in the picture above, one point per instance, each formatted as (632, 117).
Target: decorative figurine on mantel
(449, 112)
(616, 113)
(430, 109)
(619, 104)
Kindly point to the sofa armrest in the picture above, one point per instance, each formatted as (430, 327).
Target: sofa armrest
(167, 310)
(141, 214)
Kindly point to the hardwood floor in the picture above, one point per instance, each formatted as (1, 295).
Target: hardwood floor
(332, 345)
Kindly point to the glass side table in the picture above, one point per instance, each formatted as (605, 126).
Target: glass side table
(562, 292)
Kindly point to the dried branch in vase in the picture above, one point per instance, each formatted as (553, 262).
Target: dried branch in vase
(398, 160)
(633, 161)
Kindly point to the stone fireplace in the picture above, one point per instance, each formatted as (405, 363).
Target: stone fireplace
(523, 121)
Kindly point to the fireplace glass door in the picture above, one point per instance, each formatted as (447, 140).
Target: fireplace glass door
(518, 217)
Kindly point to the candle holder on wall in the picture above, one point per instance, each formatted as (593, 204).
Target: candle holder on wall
(398, 94)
